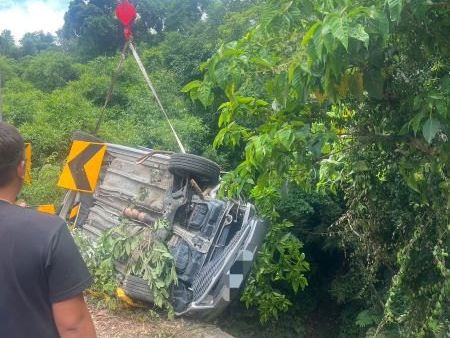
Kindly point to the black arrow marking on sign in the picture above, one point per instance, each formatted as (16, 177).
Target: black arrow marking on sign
(76, 166)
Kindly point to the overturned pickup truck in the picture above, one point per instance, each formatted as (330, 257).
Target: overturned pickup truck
(213, 241)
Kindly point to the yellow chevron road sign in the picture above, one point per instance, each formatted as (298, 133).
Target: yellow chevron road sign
(27, 178)
(83, 166)
(47, 209)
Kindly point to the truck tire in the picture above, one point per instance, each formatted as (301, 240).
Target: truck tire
(200, 168)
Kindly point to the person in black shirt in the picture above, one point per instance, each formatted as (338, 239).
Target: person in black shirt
(42, 274)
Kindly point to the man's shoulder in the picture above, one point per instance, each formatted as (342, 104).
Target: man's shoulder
(32, 219)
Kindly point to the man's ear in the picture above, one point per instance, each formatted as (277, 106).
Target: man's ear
(21, 169)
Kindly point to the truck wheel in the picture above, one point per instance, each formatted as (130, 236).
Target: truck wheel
(201, 169)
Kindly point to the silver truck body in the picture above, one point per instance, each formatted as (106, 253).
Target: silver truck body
(214, 242)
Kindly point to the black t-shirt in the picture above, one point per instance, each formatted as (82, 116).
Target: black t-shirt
(39, 265)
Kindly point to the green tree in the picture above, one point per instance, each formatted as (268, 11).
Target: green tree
(21, 102)
(95, 31)
(168, 16)
(7, 44)
(346, 96)
(36, 42)
(8, 68)
(92, 27)
(63, 112)
(43, 189)
(49, 70)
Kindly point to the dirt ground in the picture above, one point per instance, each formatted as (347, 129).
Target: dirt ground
(126, 324)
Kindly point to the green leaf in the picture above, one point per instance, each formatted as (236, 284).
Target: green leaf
(414, 123)
(285, 137)
(291, 70)
(395, 9)
(205, 94)
(191, 85)
(358, 32)
(326, 148)
(339, 29)
(367, 318)
(261, 62)
(229, 52)
(244, 99)
(412, 183)
(261, 103)
(430, 129)
(310, 33)
(383, 25)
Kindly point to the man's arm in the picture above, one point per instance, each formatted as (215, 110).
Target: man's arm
(72, 318)
(68, 277)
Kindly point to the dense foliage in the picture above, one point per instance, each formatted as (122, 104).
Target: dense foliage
(332, 117)
(120, 252)
(347, 96)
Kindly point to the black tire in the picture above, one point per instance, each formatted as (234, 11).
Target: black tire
(83, 136)
(200, 168)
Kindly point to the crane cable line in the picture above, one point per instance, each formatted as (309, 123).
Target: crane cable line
(111, 87)
(130, 45)
(155, 94)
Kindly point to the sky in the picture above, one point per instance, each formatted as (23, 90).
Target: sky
(22, 16)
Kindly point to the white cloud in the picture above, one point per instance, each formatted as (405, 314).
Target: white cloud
(31, 16)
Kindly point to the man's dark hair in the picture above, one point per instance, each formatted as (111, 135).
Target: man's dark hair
(11, 152)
